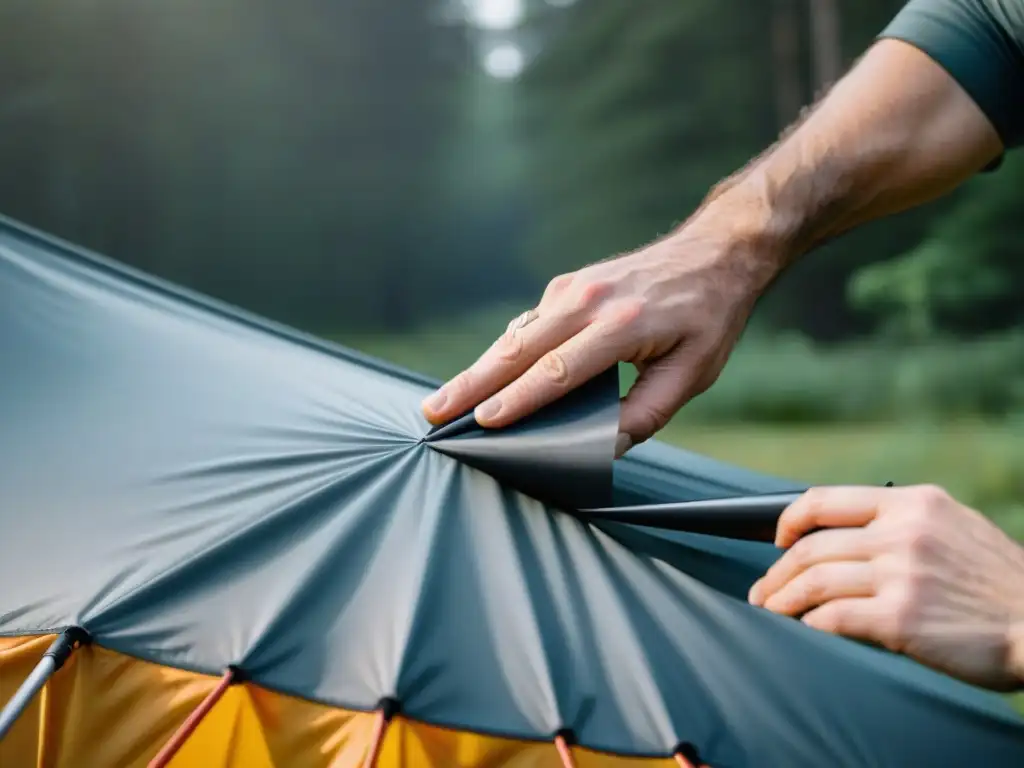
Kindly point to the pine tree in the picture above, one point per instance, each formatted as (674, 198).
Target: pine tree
(637, 111)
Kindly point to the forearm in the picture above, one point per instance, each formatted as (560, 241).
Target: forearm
(896, 132)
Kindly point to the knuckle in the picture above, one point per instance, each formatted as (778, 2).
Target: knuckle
(829, 618)
(509, 347)
(813, 587)
(591, 293)
(919, 540)
(704, 383)
(460, 386)
(930, 498)
(626, 313)
(813, 497)
(558, 285)
(902, 614)
(888, 568)
(653, 417)
(554, 368)
(898, 628)
(802, 511)
(916, 535)
(799, 555)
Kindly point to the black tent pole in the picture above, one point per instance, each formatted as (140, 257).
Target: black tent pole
(58, 653)
(736, 517)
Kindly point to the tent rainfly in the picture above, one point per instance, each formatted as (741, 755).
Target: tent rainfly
(224, 543)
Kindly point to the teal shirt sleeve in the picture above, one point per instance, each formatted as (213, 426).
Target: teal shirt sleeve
(981, 44)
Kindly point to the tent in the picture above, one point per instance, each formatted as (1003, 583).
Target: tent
(223, 542)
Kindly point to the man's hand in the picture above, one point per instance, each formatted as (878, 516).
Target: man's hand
(908, 568)
(876, 145)
(674, 309)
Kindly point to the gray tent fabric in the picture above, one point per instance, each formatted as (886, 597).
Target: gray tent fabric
(200, 488)
(562, 455)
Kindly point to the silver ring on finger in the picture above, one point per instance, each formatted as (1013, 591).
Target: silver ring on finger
(522, 321)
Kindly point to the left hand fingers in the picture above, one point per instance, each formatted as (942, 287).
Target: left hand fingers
(590, 352)
(820, 584)
(869, 619)
(843, 544)
(508, 357)
(829, 507)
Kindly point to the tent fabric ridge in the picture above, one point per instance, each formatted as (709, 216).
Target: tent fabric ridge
(627, 598)
(424, 554)
(324, 458)
(323, 470)
(278, 517)
(336, 533)
(84, 258)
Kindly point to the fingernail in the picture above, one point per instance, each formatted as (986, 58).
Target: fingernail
(436, 401)
(488, 410)
(622, 444)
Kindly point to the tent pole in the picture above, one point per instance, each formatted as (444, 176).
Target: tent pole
(380, 727)
(175, 743)
(58, 653)
(564, 752)
(386, 710)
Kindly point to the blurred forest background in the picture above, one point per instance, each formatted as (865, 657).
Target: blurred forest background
(405, 176)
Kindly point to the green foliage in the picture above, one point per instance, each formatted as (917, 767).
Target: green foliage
(793, 381)
(967, 273)
(295, 158)
(350, 165)
(911, 290)
(632, 115)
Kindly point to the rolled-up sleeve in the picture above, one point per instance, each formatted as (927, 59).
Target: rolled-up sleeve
(981, 44)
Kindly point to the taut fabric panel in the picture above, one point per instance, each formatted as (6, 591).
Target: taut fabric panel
(199, 489)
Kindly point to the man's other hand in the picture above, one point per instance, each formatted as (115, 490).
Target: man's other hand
(908, 568)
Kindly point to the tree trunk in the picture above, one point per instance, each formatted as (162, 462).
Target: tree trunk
(785, 34)
(826, 43)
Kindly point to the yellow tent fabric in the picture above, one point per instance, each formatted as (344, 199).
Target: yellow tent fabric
(107, 710)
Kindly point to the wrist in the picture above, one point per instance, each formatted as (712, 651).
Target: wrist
(747, 236)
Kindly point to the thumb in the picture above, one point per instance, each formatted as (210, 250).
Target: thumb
(662, 388)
